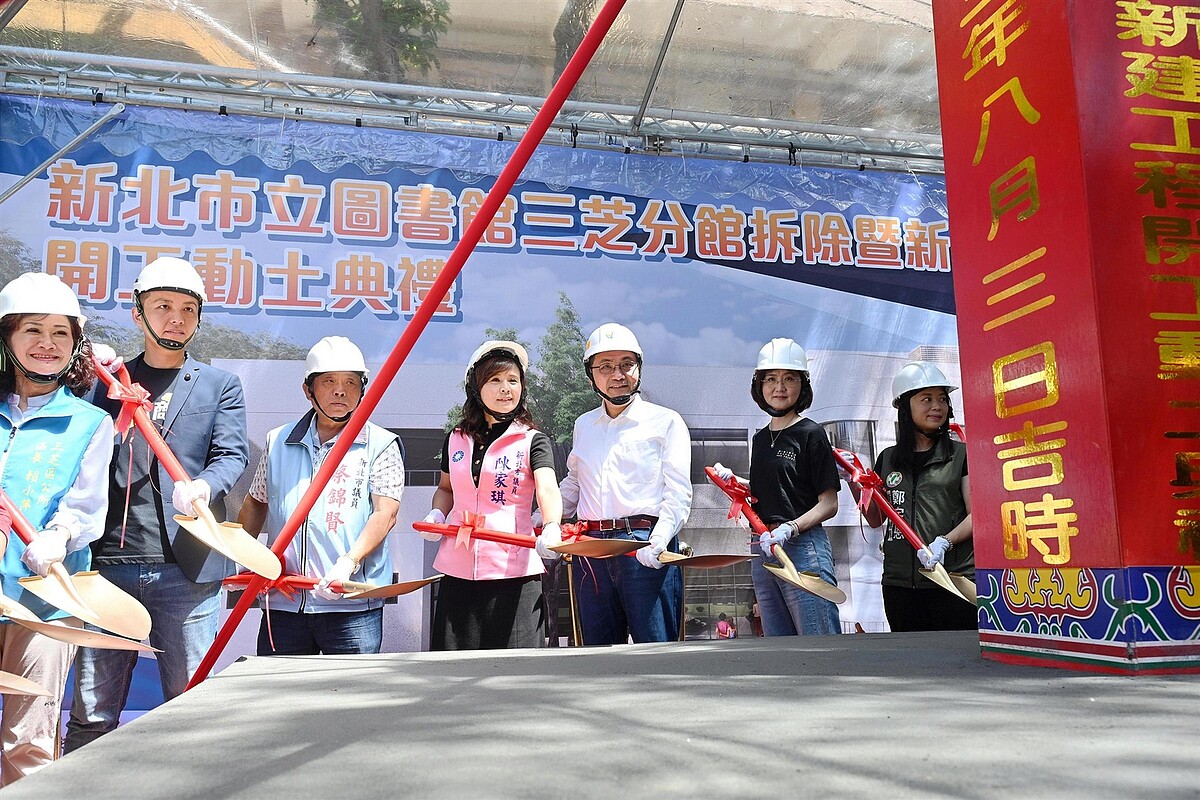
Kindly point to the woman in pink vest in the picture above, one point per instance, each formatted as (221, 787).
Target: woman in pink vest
(493, 466)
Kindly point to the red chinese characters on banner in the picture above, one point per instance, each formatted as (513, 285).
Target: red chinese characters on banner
(361, 209)
(225, 201)
(81, 194)
(249, 212)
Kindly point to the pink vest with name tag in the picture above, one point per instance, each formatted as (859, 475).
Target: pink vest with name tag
(503, 501)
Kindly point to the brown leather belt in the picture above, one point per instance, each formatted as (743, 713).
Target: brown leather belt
(634, 523)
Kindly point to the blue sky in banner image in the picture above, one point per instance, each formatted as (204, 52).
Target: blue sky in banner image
(690, 313)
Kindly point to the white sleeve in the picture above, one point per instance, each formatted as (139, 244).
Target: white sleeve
(677, 480)
(83, 510)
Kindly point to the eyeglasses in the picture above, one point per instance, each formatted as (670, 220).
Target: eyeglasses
(787, 380)
(607, 368)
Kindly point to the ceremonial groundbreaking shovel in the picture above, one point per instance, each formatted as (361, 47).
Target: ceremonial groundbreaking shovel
(739, 495)
(20, 615)
(86, 595)
(351, 590)
(227, 538)
(581, 546)
(871, 485)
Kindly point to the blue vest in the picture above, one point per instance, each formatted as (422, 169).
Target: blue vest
(40, 461)
(336, 519)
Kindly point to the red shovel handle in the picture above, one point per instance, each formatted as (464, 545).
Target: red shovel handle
(131, 396)
(486, 535)
(739, 495)
(872, 492)
(20, 524)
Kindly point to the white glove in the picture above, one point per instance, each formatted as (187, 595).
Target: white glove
(725, 474)
(106, 357)
(551, 536)
(843, 473)
(434, 517)
(48, 548)
(535, 518)
(780, 535)
(648, 555)
(341, 570)
(187, 493)
(934, 553)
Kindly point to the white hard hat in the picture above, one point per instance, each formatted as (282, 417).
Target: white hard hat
(491, 346)
(782, 354)
(609, 337)
(334, 354)
(917, 375)
(170, 274)
(39, 293)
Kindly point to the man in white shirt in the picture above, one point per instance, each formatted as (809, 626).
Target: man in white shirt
(629, 476)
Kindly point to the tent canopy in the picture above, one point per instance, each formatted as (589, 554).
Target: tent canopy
(848, 82)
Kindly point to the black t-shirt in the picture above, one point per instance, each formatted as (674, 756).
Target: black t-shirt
(145, 531)
(789, 469)
(541, 452)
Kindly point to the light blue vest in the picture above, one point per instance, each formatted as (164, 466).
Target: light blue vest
(40, 461)
(336, 519)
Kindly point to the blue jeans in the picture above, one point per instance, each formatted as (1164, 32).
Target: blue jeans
(333, 633)
(184, 617)
(787, 610)
(619, 598)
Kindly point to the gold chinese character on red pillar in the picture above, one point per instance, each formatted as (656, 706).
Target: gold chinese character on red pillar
(1043, 523)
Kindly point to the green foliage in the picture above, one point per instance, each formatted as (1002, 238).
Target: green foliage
(15, 258)
(390, 36)
(565, 390)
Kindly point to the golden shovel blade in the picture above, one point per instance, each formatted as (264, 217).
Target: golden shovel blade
(965, 586)
(707, 561)
(114, 610)
(810, 582)
(15, 684)
(20, 615)
(599, 548)
(392, 590)
(942, 578)
(231, 540)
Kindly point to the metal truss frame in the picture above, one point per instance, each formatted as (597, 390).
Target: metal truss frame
(648, 130)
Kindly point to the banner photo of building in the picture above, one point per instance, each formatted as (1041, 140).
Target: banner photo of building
(305, 229)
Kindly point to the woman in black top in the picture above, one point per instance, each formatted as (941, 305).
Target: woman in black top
(925, 479)
(795, 482)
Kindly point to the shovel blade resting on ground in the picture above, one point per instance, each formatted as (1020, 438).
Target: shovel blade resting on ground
(232, 541)
(810, 582)
(599, 548)
(706, 561)
(107, 606)
(15, 684)
(20, 615)
(942, 578)
(352, 590)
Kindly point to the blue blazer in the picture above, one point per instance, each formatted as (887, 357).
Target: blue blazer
(205, 427)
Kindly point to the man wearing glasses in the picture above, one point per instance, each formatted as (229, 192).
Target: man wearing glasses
(628, 476)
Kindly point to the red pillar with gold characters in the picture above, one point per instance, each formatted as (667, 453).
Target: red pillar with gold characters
(1072, 151)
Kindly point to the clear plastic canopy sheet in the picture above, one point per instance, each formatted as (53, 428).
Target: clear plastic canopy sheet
(862, 64)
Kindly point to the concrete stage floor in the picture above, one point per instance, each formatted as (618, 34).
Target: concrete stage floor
(883, 716)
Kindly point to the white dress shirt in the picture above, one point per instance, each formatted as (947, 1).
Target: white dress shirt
(638, 462)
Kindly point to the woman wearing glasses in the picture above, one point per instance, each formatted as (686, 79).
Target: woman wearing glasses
(795, 482)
